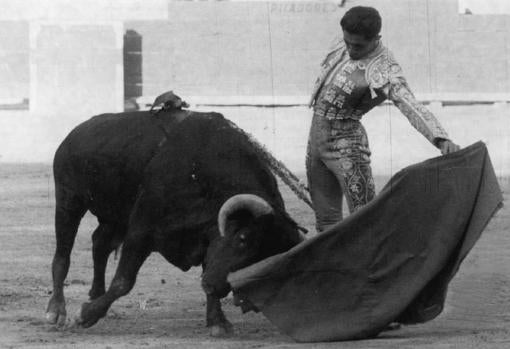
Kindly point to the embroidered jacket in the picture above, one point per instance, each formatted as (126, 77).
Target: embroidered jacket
(348, 89)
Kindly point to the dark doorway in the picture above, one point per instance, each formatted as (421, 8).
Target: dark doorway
(132, 69)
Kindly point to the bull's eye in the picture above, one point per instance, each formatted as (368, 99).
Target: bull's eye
(242, 241)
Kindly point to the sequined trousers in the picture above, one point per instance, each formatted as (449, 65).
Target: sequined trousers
(338, 164)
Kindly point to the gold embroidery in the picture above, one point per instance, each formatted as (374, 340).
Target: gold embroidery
(381, 70)
(417, 114)
(339, 79)
(348, 86)
(339, 101)
(329, 96)
(349, 67)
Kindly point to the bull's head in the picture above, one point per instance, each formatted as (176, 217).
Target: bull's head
(250, 230)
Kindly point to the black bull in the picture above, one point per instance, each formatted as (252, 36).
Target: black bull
(158, 183)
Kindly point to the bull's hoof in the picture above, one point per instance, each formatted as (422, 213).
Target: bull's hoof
(85, 318)
(56, 319)
(56, 313)
(74, 322)
(222, 330)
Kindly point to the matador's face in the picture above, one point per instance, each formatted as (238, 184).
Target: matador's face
(358, 46)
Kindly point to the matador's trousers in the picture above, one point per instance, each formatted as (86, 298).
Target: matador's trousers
(337, 164)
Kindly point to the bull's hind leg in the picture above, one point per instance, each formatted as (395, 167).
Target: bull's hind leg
(69, 211)
(135, 251)
(105, 239)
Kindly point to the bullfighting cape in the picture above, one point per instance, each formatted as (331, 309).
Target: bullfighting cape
(390, 261)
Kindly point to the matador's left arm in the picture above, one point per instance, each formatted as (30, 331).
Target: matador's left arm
(386, 75)
(418, 115)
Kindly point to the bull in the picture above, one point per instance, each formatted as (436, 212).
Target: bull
(185, 184)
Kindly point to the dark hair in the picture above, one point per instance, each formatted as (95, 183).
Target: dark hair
(362, 20)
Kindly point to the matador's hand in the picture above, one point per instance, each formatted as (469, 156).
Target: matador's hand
(447, 146)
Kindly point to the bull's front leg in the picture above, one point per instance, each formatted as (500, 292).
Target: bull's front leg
(106, 238)
(101, 249)
(134, 253)
(216, 320)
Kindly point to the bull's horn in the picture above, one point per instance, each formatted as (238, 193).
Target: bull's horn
(253, 203)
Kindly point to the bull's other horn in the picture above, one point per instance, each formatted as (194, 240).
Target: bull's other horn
(253, 203)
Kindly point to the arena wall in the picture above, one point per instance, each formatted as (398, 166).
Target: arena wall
(253, 48)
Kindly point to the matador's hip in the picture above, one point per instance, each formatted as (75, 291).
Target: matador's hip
(339, 139)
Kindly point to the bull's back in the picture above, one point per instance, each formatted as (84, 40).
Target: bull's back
(102, 161)
(206, 160)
